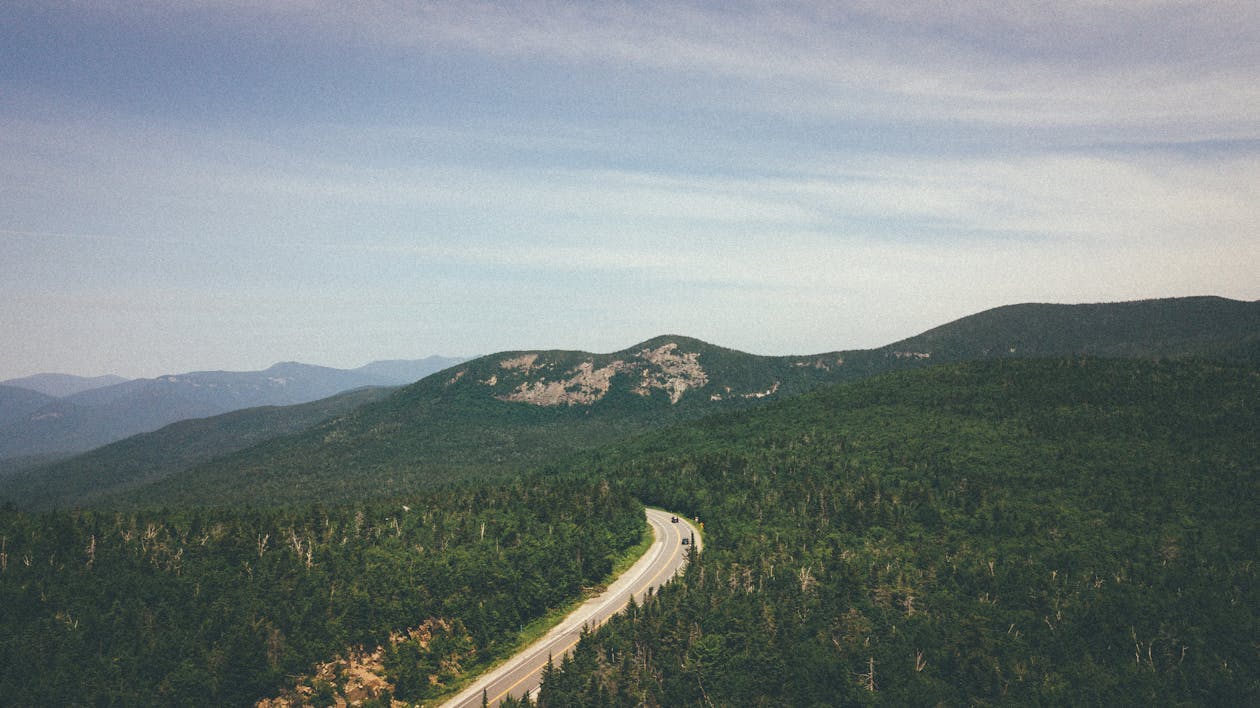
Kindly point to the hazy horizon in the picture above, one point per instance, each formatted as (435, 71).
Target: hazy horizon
(203, 186)
(468, 357)
(221, 369)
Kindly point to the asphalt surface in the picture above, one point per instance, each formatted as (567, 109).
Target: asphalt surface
(523, 672)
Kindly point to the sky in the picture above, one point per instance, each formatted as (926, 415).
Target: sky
(224, 185)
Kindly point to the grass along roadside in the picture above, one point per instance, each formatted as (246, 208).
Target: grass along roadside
(538, 629)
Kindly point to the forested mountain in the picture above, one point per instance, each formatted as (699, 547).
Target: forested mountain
(494, 417)
(61, 385)
(1070, 530)
(17, 403)
(148, 457)
(98, 416)
(1212, 327)
(500, 414)
(1037, 532)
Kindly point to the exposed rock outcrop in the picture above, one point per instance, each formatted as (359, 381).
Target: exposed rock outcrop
(662, 368)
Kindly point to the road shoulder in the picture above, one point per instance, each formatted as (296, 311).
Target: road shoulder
(591, 612)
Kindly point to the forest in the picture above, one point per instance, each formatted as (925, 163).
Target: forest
(221, 607)
(1059, 532)
(1053, 531)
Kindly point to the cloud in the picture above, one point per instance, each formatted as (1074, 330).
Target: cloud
(218, 180)
(1182, 69)
(629, 168)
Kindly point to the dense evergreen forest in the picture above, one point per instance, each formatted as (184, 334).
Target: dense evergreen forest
(1075, 532)
(1063, 531)
(220, 608)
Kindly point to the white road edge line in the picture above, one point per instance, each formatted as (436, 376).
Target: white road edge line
(580, 616)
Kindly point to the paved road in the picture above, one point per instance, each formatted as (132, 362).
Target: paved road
(523, 672)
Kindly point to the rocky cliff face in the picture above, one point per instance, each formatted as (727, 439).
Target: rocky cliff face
(557, 380)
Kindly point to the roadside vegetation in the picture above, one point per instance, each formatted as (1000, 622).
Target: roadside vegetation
(1024, 532)
(887, 527)
(218, 607)
(1021, 531)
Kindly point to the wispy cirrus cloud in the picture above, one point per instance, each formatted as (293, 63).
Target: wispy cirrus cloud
(1179, 68)
(840, 173)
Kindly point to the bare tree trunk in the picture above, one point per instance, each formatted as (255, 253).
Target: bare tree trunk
(868, 678)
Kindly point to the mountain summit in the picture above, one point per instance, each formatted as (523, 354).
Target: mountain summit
(500, 414)
(678, 370)
(61, 385)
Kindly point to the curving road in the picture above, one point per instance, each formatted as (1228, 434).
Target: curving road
(522, 673)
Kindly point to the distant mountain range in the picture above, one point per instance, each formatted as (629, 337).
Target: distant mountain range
(34, 422)
(61, 385)
(507, 412)
(147, 457)
(17, 403)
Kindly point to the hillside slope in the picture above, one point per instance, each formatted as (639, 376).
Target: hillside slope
(1212, 327)
(223, 607)
(146, 458)
(1012, 532)
(495, 416)
(98, 416)
(61, 385)
(504, 413)
(17, 403)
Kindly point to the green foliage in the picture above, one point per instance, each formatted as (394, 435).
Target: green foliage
(144, 459)
(451, 427)
(455, 426)
(1213, 327)
(217, 607)
(1025, 532)
(1041, 532)
(323, 694)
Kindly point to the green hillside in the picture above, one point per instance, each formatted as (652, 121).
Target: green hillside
(1212, 327)
(144, 459)
(499, 415)
(493, 418)
(1027, 532)
(1073, 530)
